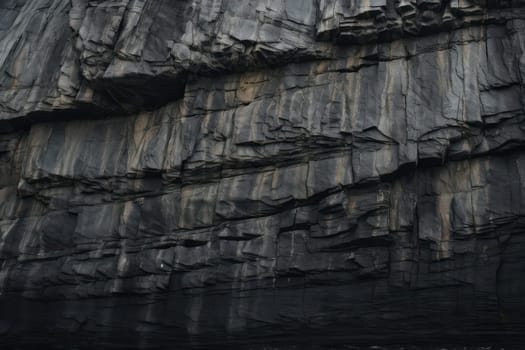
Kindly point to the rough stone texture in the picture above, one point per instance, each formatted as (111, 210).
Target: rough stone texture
(216, 173)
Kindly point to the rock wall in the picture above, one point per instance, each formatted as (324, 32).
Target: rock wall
(216, 173)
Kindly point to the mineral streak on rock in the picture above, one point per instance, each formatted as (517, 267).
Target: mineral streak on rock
(216, 173)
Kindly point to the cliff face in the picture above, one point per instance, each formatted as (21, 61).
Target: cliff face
(195, 173)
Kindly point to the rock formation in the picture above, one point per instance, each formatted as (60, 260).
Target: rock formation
(213, 173)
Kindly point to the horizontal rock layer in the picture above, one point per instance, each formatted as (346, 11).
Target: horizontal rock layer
(261, 172)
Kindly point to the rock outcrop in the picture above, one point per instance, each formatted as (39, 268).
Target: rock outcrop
(214, 173)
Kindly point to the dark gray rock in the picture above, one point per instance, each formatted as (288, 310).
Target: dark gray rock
(242, 174)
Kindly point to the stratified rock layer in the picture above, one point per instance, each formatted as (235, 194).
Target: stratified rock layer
(237, 173)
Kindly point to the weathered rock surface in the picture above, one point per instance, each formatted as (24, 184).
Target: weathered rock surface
(216, 173)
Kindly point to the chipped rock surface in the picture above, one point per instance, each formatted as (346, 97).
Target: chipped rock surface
(211, 173)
